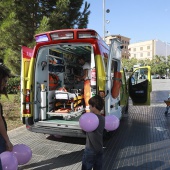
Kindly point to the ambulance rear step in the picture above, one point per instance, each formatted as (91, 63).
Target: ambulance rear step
(67, 116)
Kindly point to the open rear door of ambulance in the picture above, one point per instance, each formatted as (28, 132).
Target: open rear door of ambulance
(124, 95)
(140, 86)
(26, 54)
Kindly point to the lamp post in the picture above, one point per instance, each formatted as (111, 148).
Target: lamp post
(167, 70)
(166, 53)
(104, 19)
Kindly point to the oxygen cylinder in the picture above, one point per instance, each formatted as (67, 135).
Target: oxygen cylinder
(43, 102)
(93, 77)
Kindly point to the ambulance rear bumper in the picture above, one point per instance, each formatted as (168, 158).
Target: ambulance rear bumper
(51, 130)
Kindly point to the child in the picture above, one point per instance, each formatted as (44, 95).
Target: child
(5, 144)
(93, 153)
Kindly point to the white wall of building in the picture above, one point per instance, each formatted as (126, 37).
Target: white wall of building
(148, 49)
(141, 50)
(162, 48)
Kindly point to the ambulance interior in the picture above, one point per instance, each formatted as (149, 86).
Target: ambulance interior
(58, 94)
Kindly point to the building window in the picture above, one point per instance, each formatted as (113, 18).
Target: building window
(134, 55)
(134, 49)
(148, 47)
(141, 48)
(148, 54)
(141, 54)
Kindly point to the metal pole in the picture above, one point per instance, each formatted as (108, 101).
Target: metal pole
(104, 20)
(166, 54)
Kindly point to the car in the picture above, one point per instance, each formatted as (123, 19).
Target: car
(163, 77)
(155, 76)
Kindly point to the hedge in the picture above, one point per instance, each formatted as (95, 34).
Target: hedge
(13, 85)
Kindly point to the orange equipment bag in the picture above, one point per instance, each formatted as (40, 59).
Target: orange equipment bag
(53, 81)
(116, 84)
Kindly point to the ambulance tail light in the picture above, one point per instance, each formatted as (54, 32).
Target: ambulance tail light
(27, 100)
(88, 34)
(62, 35)
(41, 38)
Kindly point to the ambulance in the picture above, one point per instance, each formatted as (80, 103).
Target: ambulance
(52, 100)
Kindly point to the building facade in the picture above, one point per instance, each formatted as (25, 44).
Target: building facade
(125, 43)
(148, 49)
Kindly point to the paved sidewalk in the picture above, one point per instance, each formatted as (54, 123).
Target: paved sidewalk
(142, 142)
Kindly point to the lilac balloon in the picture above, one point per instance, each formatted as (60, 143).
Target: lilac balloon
(88, 122)
(111, 122)
(57, 136)
(23, 153)
(8, 161)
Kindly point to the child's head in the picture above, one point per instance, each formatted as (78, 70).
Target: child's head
(4, 74)
(97, 102)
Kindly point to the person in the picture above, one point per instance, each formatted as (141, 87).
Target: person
(5, 143)
(143, 75)
(93, 153)
(86, 76)
(168, 104)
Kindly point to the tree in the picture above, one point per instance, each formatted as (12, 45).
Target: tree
(67, 15)
(129, 63)
(20, 20)
(158, 64)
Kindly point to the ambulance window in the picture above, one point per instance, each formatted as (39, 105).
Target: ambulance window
(140, 75)
(113, 67)
(105, 62)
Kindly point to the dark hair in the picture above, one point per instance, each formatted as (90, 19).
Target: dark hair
(81, 58)
(4, 72)
(96, 101)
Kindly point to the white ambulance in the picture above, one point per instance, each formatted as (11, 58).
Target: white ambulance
(52, 101)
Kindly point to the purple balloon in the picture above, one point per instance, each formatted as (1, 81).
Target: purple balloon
(23, 153)
(111, 122)
(88, 122)
(8, 161)
(57, 136)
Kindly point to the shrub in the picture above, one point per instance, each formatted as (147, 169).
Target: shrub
(13, 85)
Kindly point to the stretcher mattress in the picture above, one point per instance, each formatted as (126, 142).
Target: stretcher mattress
(67, 96)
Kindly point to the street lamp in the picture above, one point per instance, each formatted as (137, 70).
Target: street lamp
(166, 54)
(104, 19)
(167, 70)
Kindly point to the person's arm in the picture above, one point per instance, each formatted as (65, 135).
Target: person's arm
(4, 134)
(85, 74)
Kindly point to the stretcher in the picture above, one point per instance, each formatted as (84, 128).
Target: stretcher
(67, 105)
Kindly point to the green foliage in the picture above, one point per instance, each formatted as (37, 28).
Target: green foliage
(158, 64)
(13, 85)
(20, 20)
(129, 63)
(44, 25)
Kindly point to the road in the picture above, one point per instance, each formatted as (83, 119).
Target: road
(142, 140)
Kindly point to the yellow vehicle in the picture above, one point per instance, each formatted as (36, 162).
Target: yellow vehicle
(52, 101)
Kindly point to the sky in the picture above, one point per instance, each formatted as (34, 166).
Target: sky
(139, 20)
